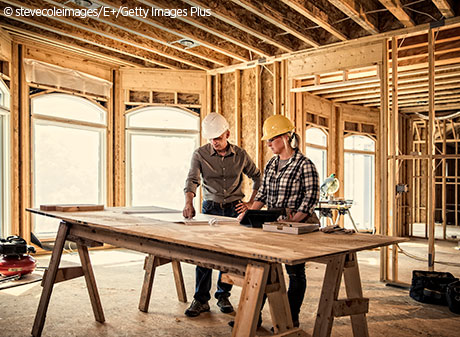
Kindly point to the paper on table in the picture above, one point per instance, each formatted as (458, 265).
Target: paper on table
(199, 219)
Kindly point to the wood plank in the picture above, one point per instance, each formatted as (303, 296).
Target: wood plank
(64, 274)
(250, 300)
(351, 306)
(72, 207)
(351, 56)
(186, 81)
(91, 283)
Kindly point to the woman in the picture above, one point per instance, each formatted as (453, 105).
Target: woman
(290, 182)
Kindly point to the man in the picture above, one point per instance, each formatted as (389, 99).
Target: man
(221, 166)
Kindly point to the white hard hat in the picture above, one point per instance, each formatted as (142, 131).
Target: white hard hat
(213, 125)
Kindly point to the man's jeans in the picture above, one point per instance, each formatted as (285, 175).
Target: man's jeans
(203, 276)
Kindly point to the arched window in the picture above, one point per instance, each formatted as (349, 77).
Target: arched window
(360, 178)
(68, 154)
(316, 150)
(159, 144)
(5, 228)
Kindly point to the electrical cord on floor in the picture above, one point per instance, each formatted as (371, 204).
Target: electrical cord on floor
(415, 257)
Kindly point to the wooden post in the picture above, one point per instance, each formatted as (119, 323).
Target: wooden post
(119, 141)
(430, 151)
(276, 88)
(393, 167)
(383, 70)
(258, 106)
(238, 107)
(444, 180)
(218, 95)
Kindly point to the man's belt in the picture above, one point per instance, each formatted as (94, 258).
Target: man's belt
(224, 204)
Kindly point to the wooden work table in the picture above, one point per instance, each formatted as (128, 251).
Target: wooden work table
(252, 258)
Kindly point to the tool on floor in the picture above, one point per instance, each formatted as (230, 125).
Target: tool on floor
(15, 258)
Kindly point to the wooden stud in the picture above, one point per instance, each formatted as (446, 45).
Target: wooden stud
(276, 88)
(393, 165)
(430, 152)
(64, 274)
(383, 159)
(258, 107)
(238, 126)
(218, 95)
(15, 114)
(119, 152)
(444, 180)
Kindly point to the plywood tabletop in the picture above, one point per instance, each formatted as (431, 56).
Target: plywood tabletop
(232, 239)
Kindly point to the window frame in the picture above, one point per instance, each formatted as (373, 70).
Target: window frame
(365, 152)
(45, 120)
(5, 148)
(151, 131)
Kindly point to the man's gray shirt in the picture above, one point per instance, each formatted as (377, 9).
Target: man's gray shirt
(222, 176)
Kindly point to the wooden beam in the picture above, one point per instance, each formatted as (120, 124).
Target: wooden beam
(277, 87)
(185, 30)
(357, 13)
(396, 8)
(123, 27)
(315, 14)
(230, 14)
(53, 36)
(86, 30)
(220, 29)
(267, 12)
(445, 7)
(430, 152)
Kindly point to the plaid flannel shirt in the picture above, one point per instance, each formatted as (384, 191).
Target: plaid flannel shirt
(295, 186)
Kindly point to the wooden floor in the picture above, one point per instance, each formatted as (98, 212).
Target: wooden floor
(119, 276)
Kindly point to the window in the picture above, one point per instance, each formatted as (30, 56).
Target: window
(316, 150)
(68, 154)
(5, 228)
(360, 179)
(160, 142)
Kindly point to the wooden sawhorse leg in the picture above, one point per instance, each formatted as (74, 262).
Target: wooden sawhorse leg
(54, 274)
(330, 306)
(150, 264)
(262, 279)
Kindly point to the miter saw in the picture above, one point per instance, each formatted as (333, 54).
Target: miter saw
(329, 187)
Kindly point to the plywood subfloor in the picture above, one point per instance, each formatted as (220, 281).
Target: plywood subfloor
(119, 276)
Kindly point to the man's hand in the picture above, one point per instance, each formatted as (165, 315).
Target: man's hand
(189, 211)
(242, 207)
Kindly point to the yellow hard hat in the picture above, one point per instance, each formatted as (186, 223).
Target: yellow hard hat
(276, 125)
